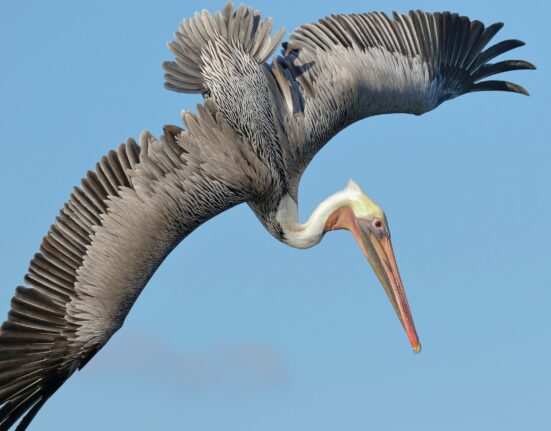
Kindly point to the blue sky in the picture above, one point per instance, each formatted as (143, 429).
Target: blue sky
(237, 331)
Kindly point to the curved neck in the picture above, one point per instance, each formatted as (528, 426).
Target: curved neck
(310, 233)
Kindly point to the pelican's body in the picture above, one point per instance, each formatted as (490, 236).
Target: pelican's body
(250, 142)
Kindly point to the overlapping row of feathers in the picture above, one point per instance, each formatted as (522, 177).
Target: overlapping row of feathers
(258, 129)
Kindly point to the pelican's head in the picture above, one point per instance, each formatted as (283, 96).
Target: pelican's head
(352, 210)
(368, 224)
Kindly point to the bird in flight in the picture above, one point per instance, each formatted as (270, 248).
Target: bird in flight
(261, 123)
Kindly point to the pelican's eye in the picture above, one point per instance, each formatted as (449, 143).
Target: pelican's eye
(378, 227)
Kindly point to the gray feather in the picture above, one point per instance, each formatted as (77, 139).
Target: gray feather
(250, 142)
(354, 66)
(111, 236)
(242, 27)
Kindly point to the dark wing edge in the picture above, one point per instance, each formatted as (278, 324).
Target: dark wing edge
(242, 27)
(32, 344)
(55, 325)
(353, 66)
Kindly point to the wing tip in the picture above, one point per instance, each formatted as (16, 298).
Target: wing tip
(499, 86)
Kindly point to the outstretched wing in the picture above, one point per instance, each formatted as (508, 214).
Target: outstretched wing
(353, 66)
(109, 239)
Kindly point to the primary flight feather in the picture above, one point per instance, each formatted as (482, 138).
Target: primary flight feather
(250, 142)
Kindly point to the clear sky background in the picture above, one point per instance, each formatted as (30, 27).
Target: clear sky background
(239, 332)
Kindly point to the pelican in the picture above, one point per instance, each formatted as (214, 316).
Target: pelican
(259, 127)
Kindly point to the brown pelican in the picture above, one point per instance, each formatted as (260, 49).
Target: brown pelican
(251, 140)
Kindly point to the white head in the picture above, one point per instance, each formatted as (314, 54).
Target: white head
(323, 218)
(352, 210)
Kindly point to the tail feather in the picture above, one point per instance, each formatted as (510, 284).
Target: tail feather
(242, 27)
